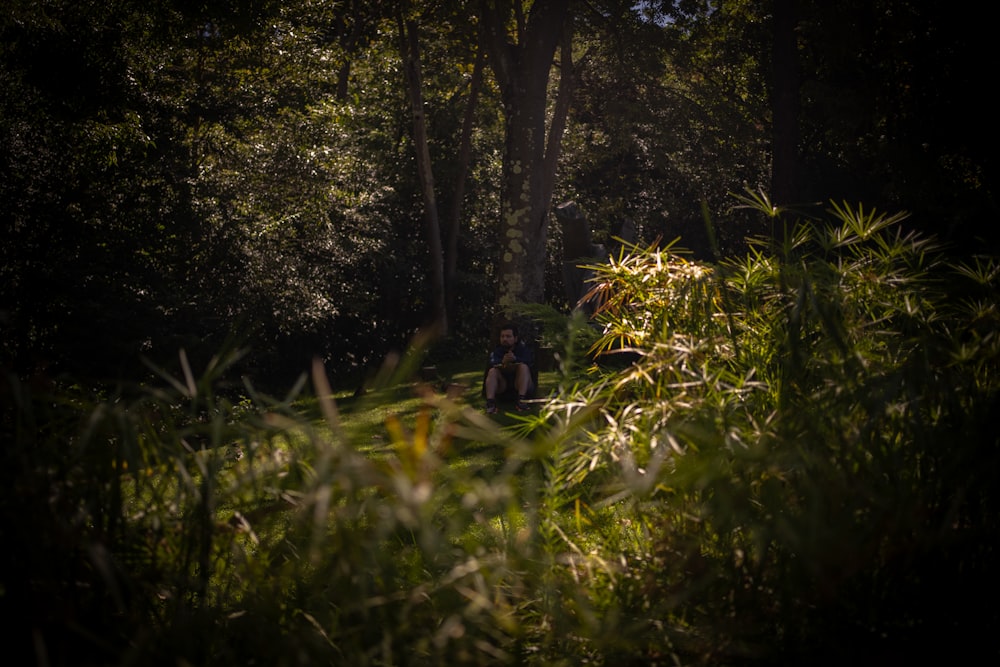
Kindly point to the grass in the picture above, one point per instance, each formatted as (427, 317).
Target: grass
(365, 414)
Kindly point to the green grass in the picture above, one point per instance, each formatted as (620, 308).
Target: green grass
(365, 414)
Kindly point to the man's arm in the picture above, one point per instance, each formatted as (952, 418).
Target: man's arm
(524, 354)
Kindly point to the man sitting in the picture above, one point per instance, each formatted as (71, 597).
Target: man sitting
(510, 366)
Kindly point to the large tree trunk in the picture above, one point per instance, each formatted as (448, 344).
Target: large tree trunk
(521, 63)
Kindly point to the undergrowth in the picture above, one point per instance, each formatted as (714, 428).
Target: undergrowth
(796, 462)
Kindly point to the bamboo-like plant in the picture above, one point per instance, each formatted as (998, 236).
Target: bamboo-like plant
(798, 450)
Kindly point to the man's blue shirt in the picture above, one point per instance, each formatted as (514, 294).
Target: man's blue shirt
(522, 353)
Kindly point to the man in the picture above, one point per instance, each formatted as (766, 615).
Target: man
(509, 366)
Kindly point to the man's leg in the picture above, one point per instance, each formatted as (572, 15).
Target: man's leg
(495, 383)
(522, 382)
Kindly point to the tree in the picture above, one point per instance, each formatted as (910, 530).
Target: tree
(352, 25)
(892, 113)
(409, 47)
(521, 50)
(461, 178)
(784, 105)
(174, 176)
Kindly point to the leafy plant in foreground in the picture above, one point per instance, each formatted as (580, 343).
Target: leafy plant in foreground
(802, 449)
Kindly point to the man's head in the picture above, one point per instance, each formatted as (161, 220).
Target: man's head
(508, 334)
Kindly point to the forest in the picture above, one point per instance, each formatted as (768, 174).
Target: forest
(174, 177)
(230, 227)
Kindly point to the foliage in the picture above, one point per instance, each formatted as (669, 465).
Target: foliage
(890, 107)
(199, 177)
(804, 443)
(178, 175)
(668, 115)
(799, 463)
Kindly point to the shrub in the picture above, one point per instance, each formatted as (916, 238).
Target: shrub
(803, 446)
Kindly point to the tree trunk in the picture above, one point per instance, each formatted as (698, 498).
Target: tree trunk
(784, 106)
(564, 98)
(410, 51)
(521, 63)
(464, 157)
(578, 250)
